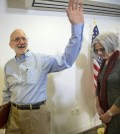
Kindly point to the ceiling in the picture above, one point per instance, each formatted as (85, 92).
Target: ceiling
(89, 6)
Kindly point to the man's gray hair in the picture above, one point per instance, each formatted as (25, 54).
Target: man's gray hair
(109, 40)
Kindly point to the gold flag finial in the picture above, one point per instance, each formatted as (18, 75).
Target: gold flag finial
(94, 21)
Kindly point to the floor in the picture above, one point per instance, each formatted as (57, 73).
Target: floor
(90, 132)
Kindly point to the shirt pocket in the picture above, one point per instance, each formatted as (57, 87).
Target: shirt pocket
(32, 76)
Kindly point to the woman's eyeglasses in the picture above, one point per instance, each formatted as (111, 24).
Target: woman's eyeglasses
(99, 50)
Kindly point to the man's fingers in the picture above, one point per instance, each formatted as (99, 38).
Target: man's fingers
(75, 5)
(80, 5)
(70, 5)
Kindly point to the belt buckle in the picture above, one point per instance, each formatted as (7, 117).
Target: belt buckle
(17, 106)
(30, 107)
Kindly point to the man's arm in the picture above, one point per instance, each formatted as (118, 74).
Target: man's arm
(75, 15)
(6, 93)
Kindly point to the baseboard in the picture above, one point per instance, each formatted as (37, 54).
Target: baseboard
(91, 129)
(83, 129)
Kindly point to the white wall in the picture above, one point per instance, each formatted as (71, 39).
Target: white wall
(71, 89)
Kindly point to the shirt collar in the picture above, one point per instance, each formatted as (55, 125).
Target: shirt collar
(24, 56)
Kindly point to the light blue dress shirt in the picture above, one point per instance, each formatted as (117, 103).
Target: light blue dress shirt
(26, 77)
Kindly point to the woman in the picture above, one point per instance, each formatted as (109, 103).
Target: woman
(108, 88)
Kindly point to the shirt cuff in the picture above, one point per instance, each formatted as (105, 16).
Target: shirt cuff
(77, 29)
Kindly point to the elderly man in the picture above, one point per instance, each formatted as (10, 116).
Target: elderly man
(26, 77)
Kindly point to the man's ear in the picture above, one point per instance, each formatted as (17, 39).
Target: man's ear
(10, 44)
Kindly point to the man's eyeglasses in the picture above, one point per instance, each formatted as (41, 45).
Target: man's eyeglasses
(18, 39)
(99, 50)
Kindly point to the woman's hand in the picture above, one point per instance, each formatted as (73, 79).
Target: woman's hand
(106, 118)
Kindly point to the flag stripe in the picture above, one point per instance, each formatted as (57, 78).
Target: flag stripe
(96, 67)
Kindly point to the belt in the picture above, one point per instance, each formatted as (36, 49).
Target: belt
(29, 107)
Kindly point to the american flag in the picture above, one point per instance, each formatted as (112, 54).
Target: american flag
(95, 32)
(96, 60)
